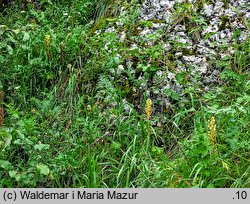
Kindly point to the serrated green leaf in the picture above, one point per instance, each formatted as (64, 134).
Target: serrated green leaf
(43, 169)
(5, 139)
(12, 173)
(6, 165)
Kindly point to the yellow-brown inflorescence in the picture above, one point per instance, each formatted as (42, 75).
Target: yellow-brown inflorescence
(212, 131)
(148, 108)
(47, 41)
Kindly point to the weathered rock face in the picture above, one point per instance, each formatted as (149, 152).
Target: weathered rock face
(192, 36)
(217, 26)
(201, 33)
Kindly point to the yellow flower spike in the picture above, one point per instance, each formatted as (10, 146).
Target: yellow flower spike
(148, 108)
(212, 131)
(148, 111)
(47, 40)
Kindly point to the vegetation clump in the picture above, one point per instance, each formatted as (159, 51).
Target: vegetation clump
(94, 98)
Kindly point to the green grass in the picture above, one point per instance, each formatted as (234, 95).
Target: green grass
(66, 123)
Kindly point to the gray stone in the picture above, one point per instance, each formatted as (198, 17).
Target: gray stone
(120, 69)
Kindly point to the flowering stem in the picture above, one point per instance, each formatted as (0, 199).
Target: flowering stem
(148, 111)
(148, 134)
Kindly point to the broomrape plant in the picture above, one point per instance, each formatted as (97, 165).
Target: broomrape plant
(212, 131)
(47, 41)
(148, 111)
(148, 108)
(69, 119)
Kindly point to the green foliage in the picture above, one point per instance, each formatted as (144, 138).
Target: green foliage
(75, 107)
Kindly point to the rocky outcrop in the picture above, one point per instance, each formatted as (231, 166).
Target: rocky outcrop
(208, 30)
(198, 34)
(193, 35)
